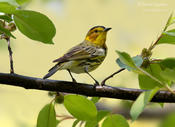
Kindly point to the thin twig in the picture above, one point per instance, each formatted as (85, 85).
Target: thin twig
(153, 45)
(63, 116)
(66, 118)
(153, 61)
(10, 56)
(166, 26)
(112, 75)
(81, 123)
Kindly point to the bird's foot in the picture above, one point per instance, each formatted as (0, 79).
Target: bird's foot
(73, 80)
(102, 84)
(96, 84)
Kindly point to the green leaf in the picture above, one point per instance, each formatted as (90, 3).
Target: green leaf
(6, 32)
(47, 116)
(137, 61)
(126, 59)
(100, 115)
(168, 66)
(115, 120)
(168, 63)
(80, 107)
(21, 2)
(95, 99)
(7, 8)
(57, 122)
(122, 65)
(6, 18)
(35, 25)
(167, 37)
(146, 82)
(169, 121)
(140, 103)
(170, 21)
(12, 2)
(93, 123)
(75, 123)
(168, 74)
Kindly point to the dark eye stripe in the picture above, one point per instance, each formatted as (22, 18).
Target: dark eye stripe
(95, 31)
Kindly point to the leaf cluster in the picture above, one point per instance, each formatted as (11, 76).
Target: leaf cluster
(83, 110)
(32, 24)
(153, 74)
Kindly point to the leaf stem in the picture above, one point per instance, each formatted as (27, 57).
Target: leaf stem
(169, 89)
(155, 43)
(155, 61)
(165, 28)
(64, 117)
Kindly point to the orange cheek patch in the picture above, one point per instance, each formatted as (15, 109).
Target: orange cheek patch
(93, 37)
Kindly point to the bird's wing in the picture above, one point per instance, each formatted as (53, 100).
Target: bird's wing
(80, 51)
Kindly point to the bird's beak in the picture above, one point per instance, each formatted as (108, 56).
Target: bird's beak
(107, 29)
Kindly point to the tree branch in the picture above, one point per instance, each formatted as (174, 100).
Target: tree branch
(80, 88)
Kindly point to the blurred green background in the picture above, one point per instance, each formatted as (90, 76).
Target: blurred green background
(135, 24)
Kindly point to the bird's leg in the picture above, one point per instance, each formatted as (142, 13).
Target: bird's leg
(96, 82)
(112, 75)
(73, 80)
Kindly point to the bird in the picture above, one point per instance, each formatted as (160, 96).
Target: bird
(84, 57)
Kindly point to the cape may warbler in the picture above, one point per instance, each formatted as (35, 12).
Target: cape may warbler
(84, 57)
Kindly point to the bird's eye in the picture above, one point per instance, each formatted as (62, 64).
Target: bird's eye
(95, 31)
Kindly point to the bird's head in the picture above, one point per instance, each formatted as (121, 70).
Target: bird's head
(97, 35)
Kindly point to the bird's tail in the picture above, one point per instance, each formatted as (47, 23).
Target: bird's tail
(52, 71)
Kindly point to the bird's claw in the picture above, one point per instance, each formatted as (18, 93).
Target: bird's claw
(74, 81)
(103, 84)
(96, 84)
